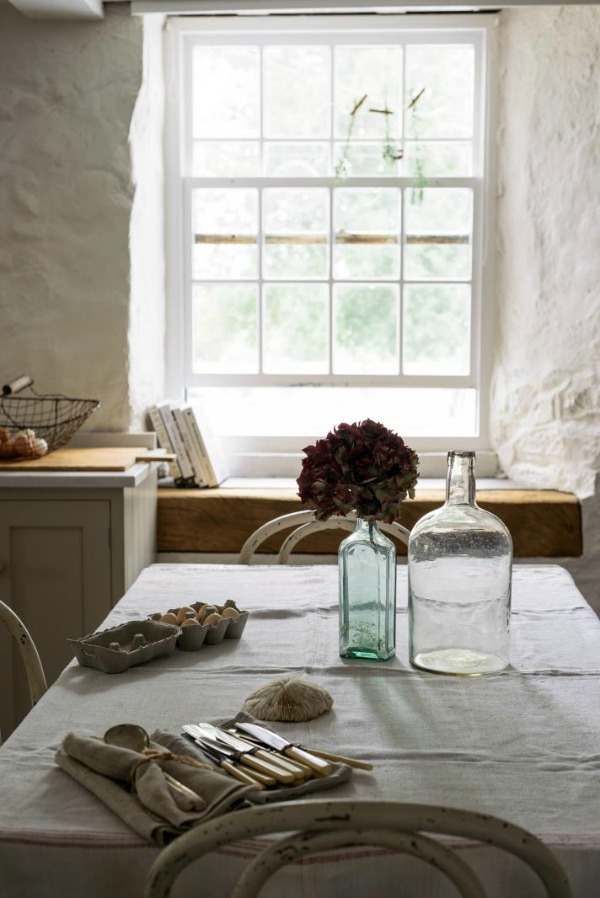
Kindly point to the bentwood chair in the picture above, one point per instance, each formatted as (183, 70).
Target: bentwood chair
(323, 825)
(305, 523)
(28, 651)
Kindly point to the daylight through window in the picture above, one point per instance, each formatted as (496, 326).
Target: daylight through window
(331, 197)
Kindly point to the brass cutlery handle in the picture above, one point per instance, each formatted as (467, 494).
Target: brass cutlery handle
(260, 777)
(240, 774)
(300, 771)
(319, 765)
(183, 789)
(266, 767)
(351, 762)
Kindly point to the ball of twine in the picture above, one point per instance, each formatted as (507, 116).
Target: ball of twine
(288, 699)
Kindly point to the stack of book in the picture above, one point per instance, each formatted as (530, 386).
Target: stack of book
(179, 429)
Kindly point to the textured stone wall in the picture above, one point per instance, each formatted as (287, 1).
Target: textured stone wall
(546, 387)
(67, 94)
(546, 399)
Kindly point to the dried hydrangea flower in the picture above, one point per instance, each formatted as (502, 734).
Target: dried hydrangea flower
(361, 467)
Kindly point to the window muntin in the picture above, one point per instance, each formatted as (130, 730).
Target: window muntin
(369, 278)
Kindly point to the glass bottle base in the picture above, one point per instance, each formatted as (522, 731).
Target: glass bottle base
(365, 654)
(459, 662)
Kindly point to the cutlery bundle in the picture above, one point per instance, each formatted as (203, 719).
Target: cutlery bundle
(255, 754)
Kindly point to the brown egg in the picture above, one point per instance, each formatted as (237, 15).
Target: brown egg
(182, 612)
(212, 620)
(190, 622)
(169, 618)
(206, 610)
(230, 612)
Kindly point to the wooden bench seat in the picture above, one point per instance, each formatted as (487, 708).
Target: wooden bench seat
(543, 523)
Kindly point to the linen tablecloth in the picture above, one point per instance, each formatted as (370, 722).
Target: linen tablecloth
(523, 744)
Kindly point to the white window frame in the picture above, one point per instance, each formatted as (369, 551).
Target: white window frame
(182, 33)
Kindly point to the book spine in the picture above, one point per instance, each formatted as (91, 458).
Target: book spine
(187, 471)
(164, 440)
(196, 436)
(192, 450)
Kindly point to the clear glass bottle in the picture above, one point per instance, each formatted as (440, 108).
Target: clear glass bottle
(367, 571)
(459, 582)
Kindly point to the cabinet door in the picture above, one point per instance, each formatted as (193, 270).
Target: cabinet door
(56, 574)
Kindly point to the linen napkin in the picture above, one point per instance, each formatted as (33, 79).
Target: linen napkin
(152, 808)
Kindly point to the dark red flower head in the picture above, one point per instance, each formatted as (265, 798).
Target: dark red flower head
(361, 467)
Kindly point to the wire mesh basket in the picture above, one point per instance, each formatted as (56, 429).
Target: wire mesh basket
(33, 425)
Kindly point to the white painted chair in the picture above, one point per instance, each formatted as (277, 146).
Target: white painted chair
(28, 651)
(305, 523)
(322, 825)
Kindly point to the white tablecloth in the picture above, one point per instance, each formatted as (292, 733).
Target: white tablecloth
(523, 744)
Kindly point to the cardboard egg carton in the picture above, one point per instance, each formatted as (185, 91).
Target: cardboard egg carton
(212, 623)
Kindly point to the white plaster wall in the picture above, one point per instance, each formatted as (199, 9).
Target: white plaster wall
(545, 412)
(546, 398)
(146, 238)
(67, 94)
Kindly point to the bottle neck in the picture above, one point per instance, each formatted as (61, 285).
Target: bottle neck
(460, 482)
(365, 527)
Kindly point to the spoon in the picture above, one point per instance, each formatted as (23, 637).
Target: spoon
(135, 738)
(128, 735)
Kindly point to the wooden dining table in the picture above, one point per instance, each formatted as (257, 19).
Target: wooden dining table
(523, 744)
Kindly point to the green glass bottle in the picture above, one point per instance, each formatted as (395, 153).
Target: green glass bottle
(367, 572)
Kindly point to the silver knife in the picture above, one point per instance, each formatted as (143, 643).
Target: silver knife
(232, 769)
(265, 768)
(299, 771)
(320, 766)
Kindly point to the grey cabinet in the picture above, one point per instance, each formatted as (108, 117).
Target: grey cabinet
(66, 556)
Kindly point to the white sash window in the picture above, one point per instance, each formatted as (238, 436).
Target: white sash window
(329, 220)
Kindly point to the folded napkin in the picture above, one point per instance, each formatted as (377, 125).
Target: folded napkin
(134, 785)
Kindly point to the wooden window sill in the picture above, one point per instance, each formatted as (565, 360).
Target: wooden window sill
(543, 523)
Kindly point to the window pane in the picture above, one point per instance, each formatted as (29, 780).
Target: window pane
(295, 328)
(297, 91)
(438, 235)
(367, 224)
(445, 109)
(436, 329)
(296, 224)
(224, 159)
(224, 321)
(374, 71)
(438, 159)
(226, 92)
(365, 329)
(310, 412)
(353, 160)
(296, 160)
(225, 224)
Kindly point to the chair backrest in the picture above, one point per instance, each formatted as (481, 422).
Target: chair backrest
(28, 651)
(304, 523)
(322, 825)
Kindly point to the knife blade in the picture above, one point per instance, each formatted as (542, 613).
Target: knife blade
(320, 766)
(328, 755)
(244, 757)
(299, 771)
(226, 765)
(281, 759)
